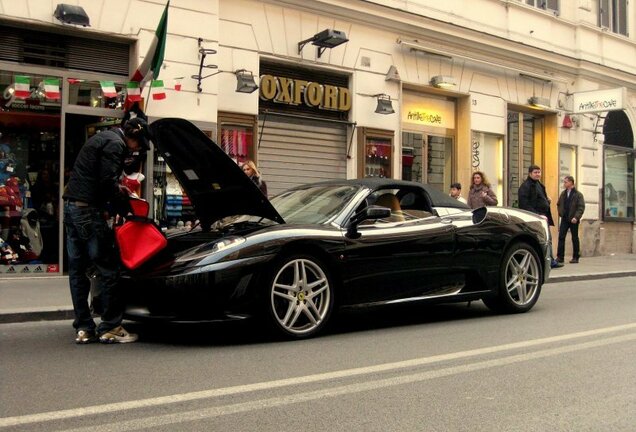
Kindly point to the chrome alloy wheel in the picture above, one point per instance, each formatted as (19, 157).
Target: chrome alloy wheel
(300, 296)
(522, 277)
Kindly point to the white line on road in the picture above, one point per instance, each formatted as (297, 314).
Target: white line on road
(330, 392)
(268, 385)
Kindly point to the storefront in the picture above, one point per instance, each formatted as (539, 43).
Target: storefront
(46, 115)
(428, 139)
(303, 128)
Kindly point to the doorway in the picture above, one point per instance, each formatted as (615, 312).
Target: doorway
(427, 158)
(525, 138)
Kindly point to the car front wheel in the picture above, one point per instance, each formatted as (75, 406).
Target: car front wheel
(520, 281)
(300, 296)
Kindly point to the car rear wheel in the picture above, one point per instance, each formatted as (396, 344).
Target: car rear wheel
(520, 281)
(300, 296)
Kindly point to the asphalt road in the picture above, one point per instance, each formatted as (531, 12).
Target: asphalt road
(568, 365)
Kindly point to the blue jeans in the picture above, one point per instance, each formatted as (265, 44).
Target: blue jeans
(90, 243)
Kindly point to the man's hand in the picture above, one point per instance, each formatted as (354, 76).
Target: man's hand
(574, 220)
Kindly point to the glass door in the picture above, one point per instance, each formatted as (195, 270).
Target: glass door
(525, 135)
(427, 158)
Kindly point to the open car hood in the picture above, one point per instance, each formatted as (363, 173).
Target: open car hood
(216, 185)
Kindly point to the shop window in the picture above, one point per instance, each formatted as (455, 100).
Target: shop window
(612, 15)
(29, 175)
(375, 150)
(236, 136)
(551, 5)
(488, 157)
(618, 184)
(96, 95)
(567, 162)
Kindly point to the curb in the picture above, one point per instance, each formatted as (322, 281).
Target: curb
(67, 314)
(20, 317)
(590, 276)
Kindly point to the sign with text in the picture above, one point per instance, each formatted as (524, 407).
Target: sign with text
(428, 111)
(291, 91)
(598, 101)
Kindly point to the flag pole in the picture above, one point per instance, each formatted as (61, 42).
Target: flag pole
(148, 97)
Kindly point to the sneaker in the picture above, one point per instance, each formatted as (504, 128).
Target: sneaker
(117, 335)
(574, 261)
(556, 264)
(85, 337)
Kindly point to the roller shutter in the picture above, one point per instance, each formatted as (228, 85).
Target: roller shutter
(295, 151)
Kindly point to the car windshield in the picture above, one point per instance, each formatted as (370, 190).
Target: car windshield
(318, 204)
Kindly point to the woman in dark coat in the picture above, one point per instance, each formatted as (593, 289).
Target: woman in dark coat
(250, 169)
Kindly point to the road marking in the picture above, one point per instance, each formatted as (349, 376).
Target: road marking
(268, 385)
(331, 392)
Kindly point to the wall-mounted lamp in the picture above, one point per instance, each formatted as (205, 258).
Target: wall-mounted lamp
(327, 38)
(385, 106)
(539, 102)
(70, 14)
(245, 81)
(443, 81)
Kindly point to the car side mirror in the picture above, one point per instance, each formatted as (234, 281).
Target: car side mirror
(370, 212)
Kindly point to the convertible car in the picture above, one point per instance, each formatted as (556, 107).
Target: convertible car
(293, 261)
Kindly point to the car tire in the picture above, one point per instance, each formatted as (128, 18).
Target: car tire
(299, 297)
(520, 281)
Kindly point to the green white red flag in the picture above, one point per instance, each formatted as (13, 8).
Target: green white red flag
(22, 86)
(133, 92)
(108, 88)
(52, 88)
(151, 64)
(157, 90)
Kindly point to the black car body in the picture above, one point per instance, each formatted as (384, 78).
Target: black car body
(324, 246)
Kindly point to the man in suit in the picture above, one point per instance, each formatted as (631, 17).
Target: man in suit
(571, 206)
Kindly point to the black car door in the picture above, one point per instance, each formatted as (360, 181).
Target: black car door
(398, 260)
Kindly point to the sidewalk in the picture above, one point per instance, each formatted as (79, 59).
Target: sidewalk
(48, 298)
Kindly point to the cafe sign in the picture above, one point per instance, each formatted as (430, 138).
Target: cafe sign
(428, 111)
(291, 91)
(598, 101)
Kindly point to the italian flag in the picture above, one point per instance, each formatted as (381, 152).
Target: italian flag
(22, 86)
(133, 92)
(157, 90)
(149, 67)
(108, 88)
(52, 88)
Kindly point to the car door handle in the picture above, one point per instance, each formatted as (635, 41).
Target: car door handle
(446, 221)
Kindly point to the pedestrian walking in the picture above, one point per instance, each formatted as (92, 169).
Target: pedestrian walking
(456, 192)
(533, 197)
(571, 206)
(93, 187)
(480, 193)
(251, 170)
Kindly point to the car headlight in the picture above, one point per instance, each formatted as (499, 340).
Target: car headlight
(212, 248)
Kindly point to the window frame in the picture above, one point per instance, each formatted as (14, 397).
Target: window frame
(616, 17)
(627, 151)
(545, 5)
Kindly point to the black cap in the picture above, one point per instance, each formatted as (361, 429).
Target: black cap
(456, 186)
(137, 128)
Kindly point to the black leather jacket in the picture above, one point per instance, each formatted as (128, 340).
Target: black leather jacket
(99, 164)
(533, 197)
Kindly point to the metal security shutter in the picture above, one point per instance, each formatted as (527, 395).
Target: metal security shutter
(34, 47)
(296, 151)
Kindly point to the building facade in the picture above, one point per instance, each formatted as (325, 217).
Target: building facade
(419, 90)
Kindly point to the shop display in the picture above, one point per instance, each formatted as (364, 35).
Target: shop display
(378, 158)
